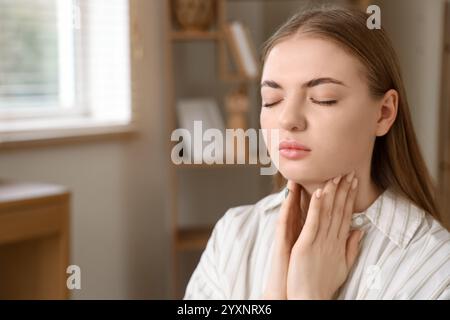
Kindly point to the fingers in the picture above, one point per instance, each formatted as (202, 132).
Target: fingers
(293, 197)
(286, 234)
(352, 247)
(311, 227)
(339, 204)
(348, 210)
(329, 215)
(305, 199)
(289, 221)
(329, 192)
(294, 193)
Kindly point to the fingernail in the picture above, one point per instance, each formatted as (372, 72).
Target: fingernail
(286, 192)
(354, 183)
(318, 193)
(350, 176)
(337, 179)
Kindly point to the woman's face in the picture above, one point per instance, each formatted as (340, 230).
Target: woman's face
(316, 95)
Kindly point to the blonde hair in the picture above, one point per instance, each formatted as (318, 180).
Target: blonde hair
(397, 162)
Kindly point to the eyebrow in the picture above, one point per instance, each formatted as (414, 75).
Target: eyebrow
(309, 84)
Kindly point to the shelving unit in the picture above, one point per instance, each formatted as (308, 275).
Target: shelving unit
(194, 35)
(190, 239)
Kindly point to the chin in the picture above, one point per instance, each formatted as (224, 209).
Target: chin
(301, 174)
(295, 167)
(297, 176)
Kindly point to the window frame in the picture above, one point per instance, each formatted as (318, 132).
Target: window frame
(67, 104)
(78, 119)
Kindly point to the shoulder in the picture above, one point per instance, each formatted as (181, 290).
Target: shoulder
(238, 215)
(431, 248)
(432, 235)
(437, 240)
(240, 219)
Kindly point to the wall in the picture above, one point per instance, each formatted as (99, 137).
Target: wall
(119, 227)
(416, 29)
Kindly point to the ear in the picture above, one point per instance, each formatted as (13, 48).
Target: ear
(387, 113)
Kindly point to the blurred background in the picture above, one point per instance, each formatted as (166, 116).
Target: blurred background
(90, 92)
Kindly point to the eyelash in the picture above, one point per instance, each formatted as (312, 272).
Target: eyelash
(323, 103)
(268, 105)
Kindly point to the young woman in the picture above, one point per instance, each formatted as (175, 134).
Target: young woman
(357, 219)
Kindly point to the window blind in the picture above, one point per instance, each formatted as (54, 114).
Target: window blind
(65, 56)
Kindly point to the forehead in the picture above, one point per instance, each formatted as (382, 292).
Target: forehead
(302, 58)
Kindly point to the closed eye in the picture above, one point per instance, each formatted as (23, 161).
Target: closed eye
(323, 102)
(268, 105)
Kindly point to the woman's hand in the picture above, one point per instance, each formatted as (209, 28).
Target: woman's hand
(325, 251)
(289, 225)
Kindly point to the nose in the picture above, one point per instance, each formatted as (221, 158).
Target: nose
(291, 116)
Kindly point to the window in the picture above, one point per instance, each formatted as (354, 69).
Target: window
(63, 64)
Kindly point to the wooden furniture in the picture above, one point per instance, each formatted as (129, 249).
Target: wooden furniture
(444, 132)
(34, 241)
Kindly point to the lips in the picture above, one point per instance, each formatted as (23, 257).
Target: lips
(293, 150)
(290, 144)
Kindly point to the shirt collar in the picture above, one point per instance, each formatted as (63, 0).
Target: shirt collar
(395, 216)
(275, 201)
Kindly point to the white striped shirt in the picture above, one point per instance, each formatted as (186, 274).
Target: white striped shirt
(405, 253)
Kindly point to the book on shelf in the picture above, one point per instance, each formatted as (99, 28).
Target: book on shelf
(242, 49)
(197, 115)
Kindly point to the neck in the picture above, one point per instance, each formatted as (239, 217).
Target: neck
(367, 191)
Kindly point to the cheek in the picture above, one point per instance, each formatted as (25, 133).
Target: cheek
(347, 138)
(267, 119)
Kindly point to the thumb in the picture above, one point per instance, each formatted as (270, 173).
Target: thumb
(353, 247)
(294, 191)
(276, 286)
(292, 197)
(305, 200)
